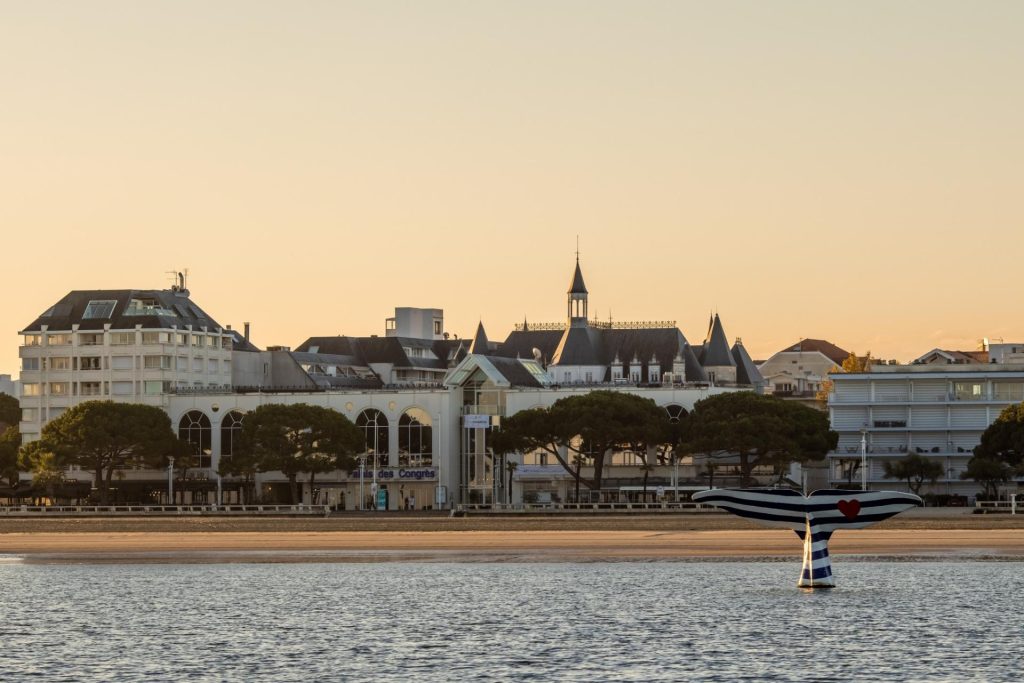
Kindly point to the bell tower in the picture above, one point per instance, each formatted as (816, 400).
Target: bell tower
(577, 298)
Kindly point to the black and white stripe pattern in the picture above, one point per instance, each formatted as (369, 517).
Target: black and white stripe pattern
(814, 518)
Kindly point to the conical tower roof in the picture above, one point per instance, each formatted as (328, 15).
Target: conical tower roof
(716, 346)
(577, 286)
(746, 371)
(480, 343)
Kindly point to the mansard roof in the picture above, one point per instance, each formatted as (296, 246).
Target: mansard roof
(165, 309)
(391, 350)
(746, 370)
(716, 346)
(597, 346)
(577, 286)
(521, 343)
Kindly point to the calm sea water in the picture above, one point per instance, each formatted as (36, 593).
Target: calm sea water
(709, 621)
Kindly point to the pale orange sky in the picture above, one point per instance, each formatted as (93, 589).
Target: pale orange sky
(847, 171)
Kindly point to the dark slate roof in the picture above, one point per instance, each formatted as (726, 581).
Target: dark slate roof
(173, 309)
(577, 286)
(514, 372)
(657, 345)
(480, 343)
(716, 346)
(580, 345)
(521, 343)
(368, 350)
(826, 348)
(746, 371)
(694, 371)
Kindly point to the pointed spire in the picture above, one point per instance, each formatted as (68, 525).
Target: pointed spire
(577, 286)
(716, 346)
(480, 344)
(526, 328)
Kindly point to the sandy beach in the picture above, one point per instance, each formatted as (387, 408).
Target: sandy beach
(676, 538)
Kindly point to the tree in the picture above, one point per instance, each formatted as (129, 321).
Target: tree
(10, 412)
(299, 438)
(914, 469)
(242, 463)
(758, 430)
(103, 436)
(855, 363)
(1003, 440)
(46, 468)
(511, 466)
(10, 442)
(989, 472)
(587, 425)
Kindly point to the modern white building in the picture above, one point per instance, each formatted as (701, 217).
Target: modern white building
(936, 410)
(137, 346)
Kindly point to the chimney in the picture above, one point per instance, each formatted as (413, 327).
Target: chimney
(246, 333)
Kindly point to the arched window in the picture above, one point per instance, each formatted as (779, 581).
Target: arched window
(374, 424)
(415, 438)
(230, 429)
(675, 413)
(194, 428)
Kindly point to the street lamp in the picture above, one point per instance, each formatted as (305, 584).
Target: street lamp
(170, 480)
(362, 477)
(863, 460)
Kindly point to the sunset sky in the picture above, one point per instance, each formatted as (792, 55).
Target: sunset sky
(847, 171)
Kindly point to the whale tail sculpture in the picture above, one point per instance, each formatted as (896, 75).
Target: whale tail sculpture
(814, 518)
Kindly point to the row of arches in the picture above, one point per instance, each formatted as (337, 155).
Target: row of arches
(415, 436)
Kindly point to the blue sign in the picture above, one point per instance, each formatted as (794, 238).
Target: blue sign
(382, 499)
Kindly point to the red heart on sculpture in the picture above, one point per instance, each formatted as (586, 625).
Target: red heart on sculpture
(850, 508)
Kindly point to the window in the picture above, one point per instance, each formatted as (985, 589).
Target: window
(156, 337)
(60, 339)
(375, 432)
(211, 342)
(30, 389)
(225, 343)
(230, 430)
(181, 339)
(437, 327)
(182, 363)
(90, 338)
(197, 364)
(194, 429)
(99, 308)
(122, 362)
(414, 438)
(156, 362)
(29, 363)
(89, 362)
(157, 387)
(212, 365)
(58, 388)
(197, 340)
(59, 363)
(90, 389)
(29, 414)
(122, 338)
(121, 388)
(31, 340)
(675, 413)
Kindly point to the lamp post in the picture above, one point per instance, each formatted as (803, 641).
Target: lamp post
(863, 460)
(362, 478)
(170, 480)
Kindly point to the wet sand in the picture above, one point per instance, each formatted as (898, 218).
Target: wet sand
(486, 540)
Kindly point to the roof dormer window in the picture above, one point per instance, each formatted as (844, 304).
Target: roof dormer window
(99, 309)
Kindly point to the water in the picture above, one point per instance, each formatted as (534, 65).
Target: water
(707, 621)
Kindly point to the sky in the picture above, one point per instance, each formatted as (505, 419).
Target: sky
(850, 171)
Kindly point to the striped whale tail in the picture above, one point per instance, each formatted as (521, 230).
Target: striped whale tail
(814, 518)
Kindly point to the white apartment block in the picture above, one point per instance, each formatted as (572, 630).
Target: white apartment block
(135, 346)
(936, 410)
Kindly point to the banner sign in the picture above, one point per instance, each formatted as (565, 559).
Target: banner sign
(400, 474)
(476, 421)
